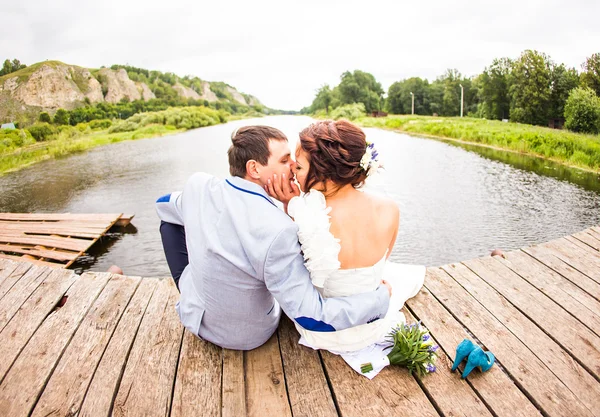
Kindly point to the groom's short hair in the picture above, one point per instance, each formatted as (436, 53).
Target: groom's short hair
(251, 142)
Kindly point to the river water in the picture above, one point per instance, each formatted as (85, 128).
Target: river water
(456, 202)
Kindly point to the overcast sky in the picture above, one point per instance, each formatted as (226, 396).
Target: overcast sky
(282, 51)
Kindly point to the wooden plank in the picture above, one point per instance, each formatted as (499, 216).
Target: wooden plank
(64, 224)
(495, 387)
(198, 381)
(24, 258)
(64, 392)
(6, 268)
(59, 216)
(588, 239)
(562, 327)
(20, 292)
(582, 245)
(234, 384)
(453, 396)
(13, 275)
(265, 382)
(563, 268)
(48, 241)
(26, 379)
(585, 262)
(111, 224)
(32, 313)
(42, 253)
(576, 301)
(49, 228)
(124, 220)
(149, 375)
(393, 392)
(308, 392)
(87, 234)
(534, 361)
(103, 388)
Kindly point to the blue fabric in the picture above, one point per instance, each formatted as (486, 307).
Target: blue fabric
(314, 325)
(249, 192)
(164, 199)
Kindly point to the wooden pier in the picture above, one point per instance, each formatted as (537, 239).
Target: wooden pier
(54, 240)
(101, 344)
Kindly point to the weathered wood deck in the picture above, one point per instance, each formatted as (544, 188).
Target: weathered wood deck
(101, 344)
(54, 240)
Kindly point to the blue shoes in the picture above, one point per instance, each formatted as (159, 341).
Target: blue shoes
(477, 358)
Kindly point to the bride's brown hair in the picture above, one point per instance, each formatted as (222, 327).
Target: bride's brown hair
(335, 149)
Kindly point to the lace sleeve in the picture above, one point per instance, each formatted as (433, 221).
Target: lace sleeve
(320, 247)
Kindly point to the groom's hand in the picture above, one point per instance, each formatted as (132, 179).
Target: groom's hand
(282, 188)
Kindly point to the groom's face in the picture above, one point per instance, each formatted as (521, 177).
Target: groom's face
(280, 161)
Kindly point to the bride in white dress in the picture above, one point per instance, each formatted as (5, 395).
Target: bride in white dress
(347, 235)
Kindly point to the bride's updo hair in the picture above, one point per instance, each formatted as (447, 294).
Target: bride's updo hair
(335, 149)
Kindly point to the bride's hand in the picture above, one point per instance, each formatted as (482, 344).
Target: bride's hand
(282, 189)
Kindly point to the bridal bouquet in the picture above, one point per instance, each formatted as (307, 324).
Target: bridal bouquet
(412, 347)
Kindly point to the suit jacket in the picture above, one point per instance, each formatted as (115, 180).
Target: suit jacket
(245, 265)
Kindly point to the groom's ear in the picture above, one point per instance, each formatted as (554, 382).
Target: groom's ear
(252, 169)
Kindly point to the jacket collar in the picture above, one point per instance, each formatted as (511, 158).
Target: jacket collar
(246, 186)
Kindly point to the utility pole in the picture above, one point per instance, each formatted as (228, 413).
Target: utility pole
(462, 101)
(413, 103)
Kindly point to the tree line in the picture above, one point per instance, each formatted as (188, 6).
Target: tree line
(530, 89)
(11, 66)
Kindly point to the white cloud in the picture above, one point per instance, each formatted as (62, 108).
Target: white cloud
(282, 52)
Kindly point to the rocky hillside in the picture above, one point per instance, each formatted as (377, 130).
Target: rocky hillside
(50, 85)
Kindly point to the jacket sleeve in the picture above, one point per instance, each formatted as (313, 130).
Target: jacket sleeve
(288, 280)
(168, 208)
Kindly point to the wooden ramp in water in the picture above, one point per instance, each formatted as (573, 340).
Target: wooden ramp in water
(101, 344)
(54, 240)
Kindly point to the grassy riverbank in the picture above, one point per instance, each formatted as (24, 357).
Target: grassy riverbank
(571, 149)
(21, 148)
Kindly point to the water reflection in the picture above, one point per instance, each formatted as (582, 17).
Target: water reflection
(456, 202)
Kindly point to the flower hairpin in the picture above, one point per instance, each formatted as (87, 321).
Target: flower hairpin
(370, 161)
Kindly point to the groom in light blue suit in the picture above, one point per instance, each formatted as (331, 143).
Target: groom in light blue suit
(236, 258)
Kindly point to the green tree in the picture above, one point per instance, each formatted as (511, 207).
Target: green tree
(530, 88)
(399, 99)
(562, 81)
(61, 117)
(582, 111)
(361, 87)
(11, 66)
(494, 89)
(323, 99)
(590, 77)
(45, 117)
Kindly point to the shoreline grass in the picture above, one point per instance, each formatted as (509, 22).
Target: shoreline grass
(571, 149)
(41, 151)
(19, 149)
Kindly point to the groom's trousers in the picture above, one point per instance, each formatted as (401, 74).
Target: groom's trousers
(173, 240)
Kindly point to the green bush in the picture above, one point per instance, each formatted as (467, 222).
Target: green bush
(582, 111)
(61, 117)
(45, 117)
(100, 124)
(124, 126)
(42, 131)
(67, 132)
(14, 138)
(349, 111)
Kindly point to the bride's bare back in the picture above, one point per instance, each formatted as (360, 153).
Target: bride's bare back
(366, 225)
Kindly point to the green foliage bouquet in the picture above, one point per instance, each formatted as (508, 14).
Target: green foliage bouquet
(412, 347)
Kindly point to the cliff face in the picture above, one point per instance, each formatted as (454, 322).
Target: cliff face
(50, 85)
(118, 86)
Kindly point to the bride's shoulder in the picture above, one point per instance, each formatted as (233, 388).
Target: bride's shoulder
(383, 203)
